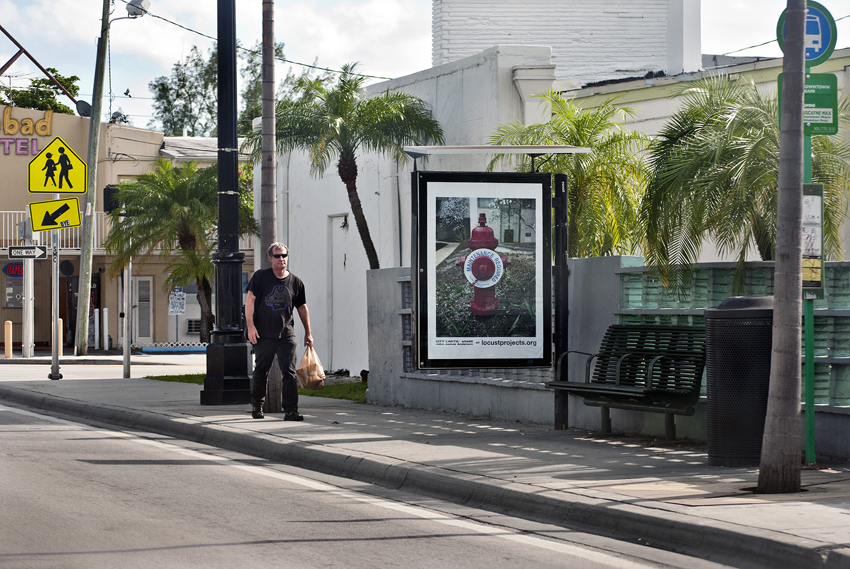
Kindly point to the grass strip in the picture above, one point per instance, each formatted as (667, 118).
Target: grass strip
(185, 378)
(351, 391)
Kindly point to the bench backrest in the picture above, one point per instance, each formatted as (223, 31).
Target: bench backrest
(682, 371)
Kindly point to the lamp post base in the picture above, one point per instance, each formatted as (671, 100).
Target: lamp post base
(229, 368)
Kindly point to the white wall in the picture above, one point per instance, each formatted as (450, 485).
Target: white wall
(591, 40)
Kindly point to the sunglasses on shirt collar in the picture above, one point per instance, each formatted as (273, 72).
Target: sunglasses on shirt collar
(279, 255)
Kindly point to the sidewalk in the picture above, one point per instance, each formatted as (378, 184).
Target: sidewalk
(652, 492)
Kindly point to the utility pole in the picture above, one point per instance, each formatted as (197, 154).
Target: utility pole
(81, 339)
(268, 185)
(268, 210)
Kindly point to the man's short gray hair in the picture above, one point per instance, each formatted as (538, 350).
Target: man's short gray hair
(277, 245)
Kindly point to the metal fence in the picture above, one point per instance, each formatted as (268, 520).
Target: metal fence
(70, 237)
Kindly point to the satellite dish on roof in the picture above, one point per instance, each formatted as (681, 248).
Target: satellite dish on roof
(83, 109)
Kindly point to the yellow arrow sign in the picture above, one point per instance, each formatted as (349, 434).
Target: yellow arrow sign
(55, 214)
(57, 170)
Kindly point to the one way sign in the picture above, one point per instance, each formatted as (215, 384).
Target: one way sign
(32, 252)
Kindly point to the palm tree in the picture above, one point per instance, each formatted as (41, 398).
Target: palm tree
(605, 185)
(715, 174)
(174, 208)
(336, 121)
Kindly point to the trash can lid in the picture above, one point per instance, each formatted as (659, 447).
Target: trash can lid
(743, 307)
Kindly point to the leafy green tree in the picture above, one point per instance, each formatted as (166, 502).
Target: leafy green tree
(605, 184)
(335, 121)
(715, 175)
(174, 210)
(188, 98)
(42, 94)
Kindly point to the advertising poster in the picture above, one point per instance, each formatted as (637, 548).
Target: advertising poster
(484, 268)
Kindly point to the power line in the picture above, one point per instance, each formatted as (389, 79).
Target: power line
(771, 41)
(282, 59)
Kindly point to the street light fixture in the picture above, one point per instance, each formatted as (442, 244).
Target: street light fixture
(135, 9)
(138, 7)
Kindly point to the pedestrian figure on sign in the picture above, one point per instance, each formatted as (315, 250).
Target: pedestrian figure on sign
(64, 166)
(50, 166)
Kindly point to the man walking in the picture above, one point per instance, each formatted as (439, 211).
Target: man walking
(272, 295)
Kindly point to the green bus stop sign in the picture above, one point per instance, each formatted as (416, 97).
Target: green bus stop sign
(820, 103)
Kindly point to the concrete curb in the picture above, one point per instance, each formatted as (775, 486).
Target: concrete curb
(722, 542)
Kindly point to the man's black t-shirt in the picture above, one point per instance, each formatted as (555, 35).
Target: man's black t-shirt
(274, 302)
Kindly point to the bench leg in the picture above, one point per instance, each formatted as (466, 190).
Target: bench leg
(670, 426)
(562, 410)
(606, 419)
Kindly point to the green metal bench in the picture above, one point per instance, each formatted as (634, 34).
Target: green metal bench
(643, 368)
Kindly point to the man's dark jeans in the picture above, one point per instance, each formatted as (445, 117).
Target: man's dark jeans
(264, 352)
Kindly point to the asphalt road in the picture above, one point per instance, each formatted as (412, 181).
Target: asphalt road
(75, 495)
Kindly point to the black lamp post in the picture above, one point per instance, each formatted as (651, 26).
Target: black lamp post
(228, 356)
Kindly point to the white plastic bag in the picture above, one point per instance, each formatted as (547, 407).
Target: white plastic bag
(309, 371)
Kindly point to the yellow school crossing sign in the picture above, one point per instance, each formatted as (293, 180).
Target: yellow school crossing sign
(55, 214)
(57, 170)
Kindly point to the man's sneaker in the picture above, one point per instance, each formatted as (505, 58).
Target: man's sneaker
(293, 416)
(257, 412)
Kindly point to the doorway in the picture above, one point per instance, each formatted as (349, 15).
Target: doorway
(68, 308)
(142, 306)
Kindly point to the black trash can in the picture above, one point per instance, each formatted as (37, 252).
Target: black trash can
(738, 342)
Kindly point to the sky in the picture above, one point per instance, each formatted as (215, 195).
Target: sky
(390, 38)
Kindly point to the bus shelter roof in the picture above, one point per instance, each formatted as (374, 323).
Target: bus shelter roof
(531, 150)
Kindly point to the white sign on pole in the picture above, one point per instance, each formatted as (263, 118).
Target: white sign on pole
(177, 302)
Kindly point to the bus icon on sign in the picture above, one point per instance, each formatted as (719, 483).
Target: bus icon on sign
(819, 33)
(814, 37)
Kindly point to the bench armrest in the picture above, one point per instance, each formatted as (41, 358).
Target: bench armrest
(619, 364)
(587, 368)
(649, 369)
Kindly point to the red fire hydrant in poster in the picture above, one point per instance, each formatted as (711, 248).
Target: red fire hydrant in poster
(483, 268)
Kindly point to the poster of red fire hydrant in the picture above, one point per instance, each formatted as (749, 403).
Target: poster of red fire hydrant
(484, 277)
(481, 266)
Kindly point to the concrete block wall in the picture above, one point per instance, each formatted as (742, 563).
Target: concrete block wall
(590, 40)
(511, 394)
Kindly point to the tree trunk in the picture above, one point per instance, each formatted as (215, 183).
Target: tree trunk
(207, 318)
(268, 194)
(781, 447)
(347, 168)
